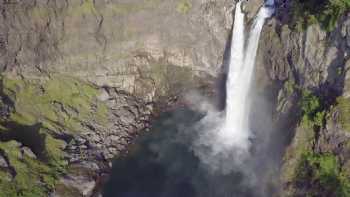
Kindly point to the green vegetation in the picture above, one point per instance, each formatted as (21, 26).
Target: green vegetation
(131, 7)
(41, 108)
(339, 71)
(40, 12)
(322, 174)
(304, 139)
(290, 87)
(318, 174)
(343, 105)
(184, 6)
(324, 12)
(59, 101)
(313, 113)
(87, 7)
(33, 178)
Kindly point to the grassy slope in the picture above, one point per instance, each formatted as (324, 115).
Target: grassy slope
(42, 109)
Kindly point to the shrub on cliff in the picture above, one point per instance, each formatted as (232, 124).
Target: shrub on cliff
(324, 12)
(312, 110)
(321, 175)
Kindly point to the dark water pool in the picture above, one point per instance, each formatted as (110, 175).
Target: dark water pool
(162, 164)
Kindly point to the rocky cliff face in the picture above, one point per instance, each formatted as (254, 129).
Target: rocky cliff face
(81, 78)
(84, 77)
(305, 72)
(115, 43)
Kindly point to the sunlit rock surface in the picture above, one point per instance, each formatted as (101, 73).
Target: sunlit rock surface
(90, 73)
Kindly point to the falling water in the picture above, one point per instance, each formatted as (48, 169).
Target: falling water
(235, 132)
(234, 124)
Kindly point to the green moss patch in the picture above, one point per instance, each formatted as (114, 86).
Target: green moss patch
(324, 12)
(343, 105)
(88, 8)
(321, 175)
(58, 102)
(312, 109)
(85, 8)
(38, 13)
(184, 6)
(130, 7)
(290, 87)
(28, 135)
(32, 178)
(42, 108)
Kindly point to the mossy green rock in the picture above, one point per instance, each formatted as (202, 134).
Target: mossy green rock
(32, 177)
(322, 174)
(56, 102)
(40, 110)
(324, 12)
(314, 166)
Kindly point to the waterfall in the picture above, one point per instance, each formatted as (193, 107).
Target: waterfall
(234, 108)
(223, 140)
(235, 131)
